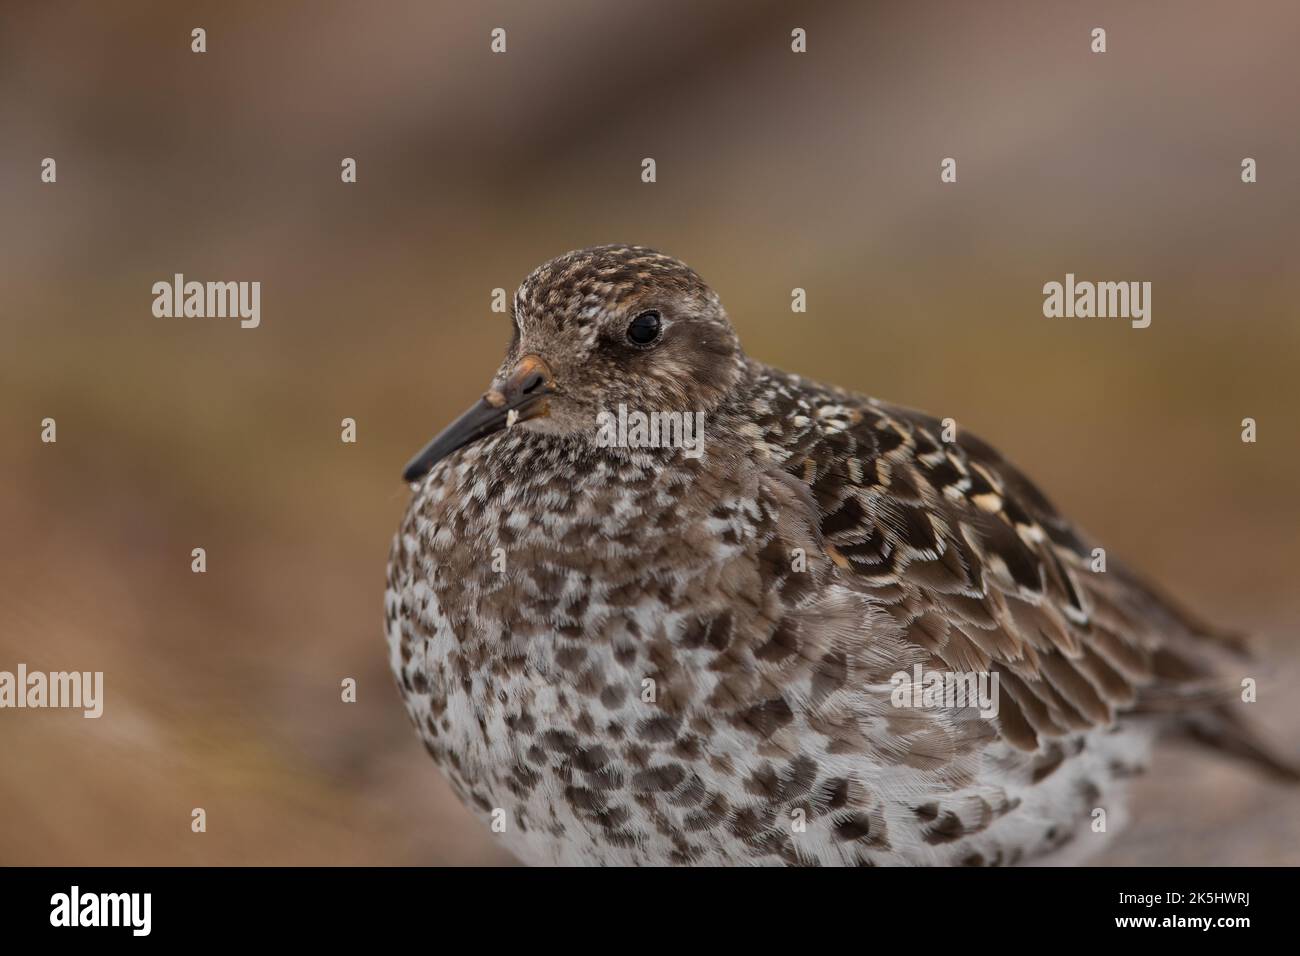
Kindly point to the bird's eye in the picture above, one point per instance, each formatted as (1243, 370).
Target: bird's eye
(644, 329)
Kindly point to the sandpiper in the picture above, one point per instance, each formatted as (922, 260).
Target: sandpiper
(622, 654)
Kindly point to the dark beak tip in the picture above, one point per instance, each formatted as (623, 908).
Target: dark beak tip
(527, 388)
(417, 467)
(478, 421)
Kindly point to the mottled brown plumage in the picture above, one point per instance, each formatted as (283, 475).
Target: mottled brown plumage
(627, 655)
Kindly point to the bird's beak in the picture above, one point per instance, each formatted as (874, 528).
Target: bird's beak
(523, 395)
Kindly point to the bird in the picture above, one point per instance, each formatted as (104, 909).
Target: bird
(619, 654)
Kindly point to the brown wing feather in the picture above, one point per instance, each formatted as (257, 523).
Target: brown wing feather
(981, 570)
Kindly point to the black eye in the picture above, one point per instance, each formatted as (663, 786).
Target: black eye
(644, 329)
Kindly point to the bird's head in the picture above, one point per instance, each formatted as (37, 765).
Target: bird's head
(596, 329)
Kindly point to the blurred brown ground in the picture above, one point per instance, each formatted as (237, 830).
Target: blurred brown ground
(775, 171)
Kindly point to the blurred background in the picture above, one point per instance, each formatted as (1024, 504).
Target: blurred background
(775, 170)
